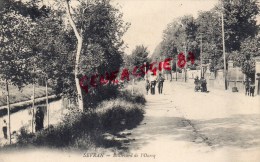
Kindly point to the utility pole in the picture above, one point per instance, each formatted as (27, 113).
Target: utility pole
(171, 64)
(185, 67)
(161, 64)
(8, 111)
(176, 67)
(201, 72)
(133, 86)
(163, 68)
(223, 41)
(33, 101)
(47, 102)
(144, 70)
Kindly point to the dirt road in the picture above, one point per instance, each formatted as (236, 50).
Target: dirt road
(183, 125)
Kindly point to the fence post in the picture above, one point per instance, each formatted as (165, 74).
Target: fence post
(8, 111)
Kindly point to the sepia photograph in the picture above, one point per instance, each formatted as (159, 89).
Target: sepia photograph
(130, 80)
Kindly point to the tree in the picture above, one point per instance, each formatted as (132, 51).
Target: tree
(245, 57)
(209, 31)
(50, 46)
(103, 31)
(139, 55)
(28, 43)
(98, 27)
(138, 58)
(78, 33)
(240, 21)
(15, 32)
(178, 36)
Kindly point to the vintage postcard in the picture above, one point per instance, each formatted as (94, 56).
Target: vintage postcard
(130, 80)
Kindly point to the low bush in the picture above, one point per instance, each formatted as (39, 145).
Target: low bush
(136, 98)
(98, 94)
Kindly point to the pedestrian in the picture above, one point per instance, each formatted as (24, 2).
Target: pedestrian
(160, 80)
(147, 86)
(5, 128)
(247, 86)
(251, 89)
(39, 118)
(197, 84)
(203, 84)
(153, 83)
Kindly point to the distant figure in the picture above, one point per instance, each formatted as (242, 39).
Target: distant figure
(197, 84)
(147, 86)
(153, 83)
(5, 128)
(39, 118)
(203, 84)
(251, 89)
(160, 80)
(247, 86)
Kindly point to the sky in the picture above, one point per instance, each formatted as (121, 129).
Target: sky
(149, 18)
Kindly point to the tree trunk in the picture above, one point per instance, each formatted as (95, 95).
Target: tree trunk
(80, 98)
(33, 105)
(79, 48)
(8, 111)
(47, 102)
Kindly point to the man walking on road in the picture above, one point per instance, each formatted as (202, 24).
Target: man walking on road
(160, 80)
(147, 86)
(153, 83)
(247, 86)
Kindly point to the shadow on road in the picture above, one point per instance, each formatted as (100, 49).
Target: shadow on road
(241, 131)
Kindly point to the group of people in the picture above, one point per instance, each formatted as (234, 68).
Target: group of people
(249, 87)
(200, 84)
(151, 84)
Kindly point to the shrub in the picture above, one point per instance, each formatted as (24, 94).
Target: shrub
(25, 137)
(127, 96)
(97, 95)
